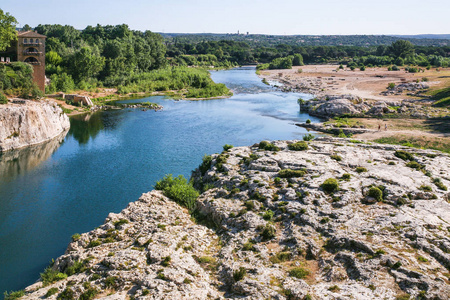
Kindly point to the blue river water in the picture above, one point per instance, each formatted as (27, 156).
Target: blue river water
(108, 159)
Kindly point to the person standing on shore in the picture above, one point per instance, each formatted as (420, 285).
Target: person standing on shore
(379, 127)
(385, 127)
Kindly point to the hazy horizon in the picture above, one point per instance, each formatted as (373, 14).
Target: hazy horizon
(323, 17)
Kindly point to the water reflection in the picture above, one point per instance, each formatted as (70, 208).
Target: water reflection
(16, 162)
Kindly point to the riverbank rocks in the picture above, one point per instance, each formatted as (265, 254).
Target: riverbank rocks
(26, 122)
(337, 220)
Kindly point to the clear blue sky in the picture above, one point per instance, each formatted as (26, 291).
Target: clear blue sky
(256, 16)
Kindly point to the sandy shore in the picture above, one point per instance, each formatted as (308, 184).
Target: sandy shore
(322, 80)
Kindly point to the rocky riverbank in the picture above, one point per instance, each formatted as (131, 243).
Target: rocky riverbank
(327, 219)
(26, 122)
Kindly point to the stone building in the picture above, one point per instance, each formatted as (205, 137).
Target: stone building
(31, 49)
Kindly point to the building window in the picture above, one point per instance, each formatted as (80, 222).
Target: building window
(37, 41)
(25, 41)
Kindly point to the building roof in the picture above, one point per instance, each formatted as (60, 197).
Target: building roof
(30, 34)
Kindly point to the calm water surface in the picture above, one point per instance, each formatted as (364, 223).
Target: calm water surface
(108, 159)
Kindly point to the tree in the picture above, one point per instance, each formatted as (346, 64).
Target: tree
(7, 30)
(26, 27)
(298, 60)
(86, 63)
(402, 48)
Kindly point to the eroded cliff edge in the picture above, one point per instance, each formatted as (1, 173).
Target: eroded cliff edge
(278, 228)
(26, 122)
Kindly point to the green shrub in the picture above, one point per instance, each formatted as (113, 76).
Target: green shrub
(94, 243)
(206, 164)
(268, 215)
(404, 155)
(298, 146)
(248, 246)
(51, 292)
(179, 190)
(376, 193)
(298, 272)
(3, 99)
(13, 295)
(111, 282)
(414, 165)
(50, 276)
(238, 275)
(76, 237)
(308, 137)
(265, 145)
(121, 222)
(288, 173)
(425, 188)
(280, 257)
(330, 185)
(346, 176)
(166, 261)
(360, 169)
(308, 121)
(67, 294)
(268, 232)
(391, 86)
(76, 267)
(227, 147)
(336, 157)
(439, 184)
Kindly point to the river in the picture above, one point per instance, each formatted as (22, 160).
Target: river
(108, 159)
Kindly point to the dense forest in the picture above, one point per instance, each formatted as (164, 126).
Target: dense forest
(262, 40)
(136, 61)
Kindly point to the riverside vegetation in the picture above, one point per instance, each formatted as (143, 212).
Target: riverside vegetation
(273, 220)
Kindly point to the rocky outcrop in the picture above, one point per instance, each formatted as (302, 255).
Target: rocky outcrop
(25, 122)
(348, 105)
(337, 220)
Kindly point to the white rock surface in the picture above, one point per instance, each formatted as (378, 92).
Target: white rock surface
(347, 244)
(27, 122)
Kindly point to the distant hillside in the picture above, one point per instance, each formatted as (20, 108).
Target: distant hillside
(426, 36)
(308, 40)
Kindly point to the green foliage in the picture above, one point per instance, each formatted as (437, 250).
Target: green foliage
(298, 146)
(414, 165)
(111, 282)
(16, 78)
(268, 215)
(67, 294)
(308, 121)
(401, 48)
(425, 188)
(281, 63)
(76, 237)
(299, 272)
(7, 30)
(206, 164)
(94, 243)
(166, 261)
(120, 222)
(308, 137)
(346, 176)
(288, 173)
(297, 60)
(227, 147)
(330, 185)
(442, 97)
(265, 145)
(267, 232)
(422, 259)
(360, 169)
(376, 193)
(179, 190)
(51, 292)
(391, 86)
(50, 276)
(239, 274)
(336, 157)
(75, 268)
(3, 99)
(13, 295)
(439, 184)
(60, 83)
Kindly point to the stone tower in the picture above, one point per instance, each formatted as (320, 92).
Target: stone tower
(31, 49)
